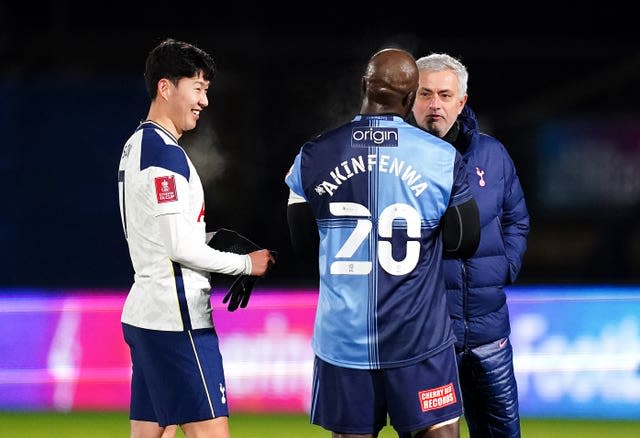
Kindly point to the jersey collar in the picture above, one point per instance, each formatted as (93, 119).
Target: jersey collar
(157, 125)
(394, 117)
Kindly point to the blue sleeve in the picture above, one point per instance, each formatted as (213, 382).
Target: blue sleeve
(460, 192)
(515, 219)
(294, 177)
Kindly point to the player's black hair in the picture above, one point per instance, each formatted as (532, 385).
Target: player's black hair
(174, 60)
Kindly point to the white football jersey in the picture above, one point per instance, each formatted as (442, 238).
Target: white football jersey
(162, 210)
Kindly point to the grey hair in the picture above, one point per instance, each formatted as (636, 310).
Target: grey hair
(442, 61)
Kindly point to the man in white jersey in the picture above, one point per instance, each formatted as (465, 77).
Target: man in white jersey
(386, 200)
(178, 377)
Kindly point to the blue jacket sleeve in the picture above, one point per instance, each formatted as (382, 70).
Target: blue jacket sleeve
(515, 219)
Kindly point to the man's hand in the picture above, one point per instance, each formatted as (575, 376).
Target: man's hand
(261, 262)
(240, 291)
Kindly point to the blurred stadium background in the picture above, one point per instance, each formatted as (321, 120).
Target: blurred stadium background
(560, 95)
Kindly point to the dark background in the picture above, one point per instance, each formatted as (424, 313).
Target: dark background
(560, 91)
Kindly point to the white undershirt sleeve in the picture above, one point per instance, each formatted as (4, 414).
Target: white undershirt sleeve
(294, 198)
(186, 248)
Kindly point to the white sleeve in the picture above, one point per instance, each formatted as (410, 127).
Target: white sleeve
(185, 248)
(294, 198)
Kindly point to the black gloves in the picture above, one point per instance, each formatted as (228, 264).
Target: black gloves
(240, 292)
(231, 241)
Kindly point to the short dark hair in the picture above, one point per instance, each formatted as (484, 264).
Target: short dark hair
(174, 60)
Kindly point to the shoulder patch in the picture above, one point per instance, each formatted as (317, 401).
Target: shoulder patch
(166, 189)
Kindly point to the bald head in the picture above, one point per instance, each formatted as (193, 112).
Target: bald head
(390, 83)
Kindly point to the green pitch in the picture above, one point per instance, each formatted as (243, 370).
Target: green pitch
(116, 424)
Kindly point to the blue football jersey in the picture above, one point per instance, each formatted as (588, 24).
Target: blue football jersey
(378, 188)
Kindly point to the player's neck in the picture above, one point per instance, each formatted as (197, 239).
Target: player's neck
(163, 120)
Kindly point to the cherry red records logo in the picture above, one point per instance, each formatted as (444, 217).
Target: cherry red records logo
(166, 189)
(436, 398)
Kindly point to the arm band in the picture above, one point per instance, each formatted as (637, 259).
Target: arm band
(461, 230)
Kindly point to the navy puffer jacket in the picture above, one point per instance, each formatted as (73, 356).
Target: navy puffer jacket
(475, 286)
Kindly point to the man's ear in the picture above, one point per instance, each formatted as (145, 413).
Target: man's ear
(164, 85)
(463, 102)
(408, 101)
